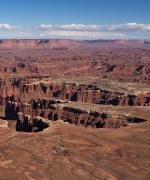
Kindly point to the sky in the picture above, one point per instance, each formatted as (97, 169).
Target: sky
(75, 19)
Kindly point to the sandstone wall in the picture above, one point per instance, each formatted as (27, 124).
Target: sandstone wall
(25, 114)
(23, 91)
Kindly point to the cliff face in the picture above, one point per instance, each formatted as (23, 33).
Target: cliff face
(29, 115)
(36, 44)
(28, 124)
(50, 100)
(72, 92)
(21, 91)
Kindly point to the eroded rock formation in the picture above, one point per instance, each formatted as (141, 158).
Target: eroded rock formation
(26, 115)
(30, 124)
(23, 91)
(31, 79)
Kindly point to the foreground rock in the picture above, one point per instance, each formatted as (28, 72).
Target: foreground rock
(71, 152)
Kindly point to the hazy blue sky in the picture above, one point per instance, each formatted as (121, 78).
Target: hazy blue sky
(81, 19)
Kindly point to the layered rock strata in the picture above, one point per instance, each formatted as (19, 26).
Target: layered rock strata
(23, 91)
(26, 115)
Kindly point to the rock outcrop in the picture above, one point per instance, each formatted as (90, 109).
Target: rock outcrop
(24, 92)
(30, 124)
(26, 115)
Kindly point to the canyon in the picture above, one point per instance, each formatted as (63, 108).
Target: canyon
(70, 109)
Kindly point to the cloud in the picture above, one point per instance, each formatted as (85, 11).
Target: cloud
(7, 27)
(77, 31)
(92, 31)
(128, 27)
(81, 34)
(97, 28)
(72, 27)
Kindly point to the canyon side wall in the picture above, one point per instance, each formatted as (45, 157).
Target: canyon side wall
(31, 115)
(22, 91)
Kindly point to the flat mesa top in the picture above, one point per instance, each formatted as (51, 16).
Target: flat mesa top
(103, 84)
